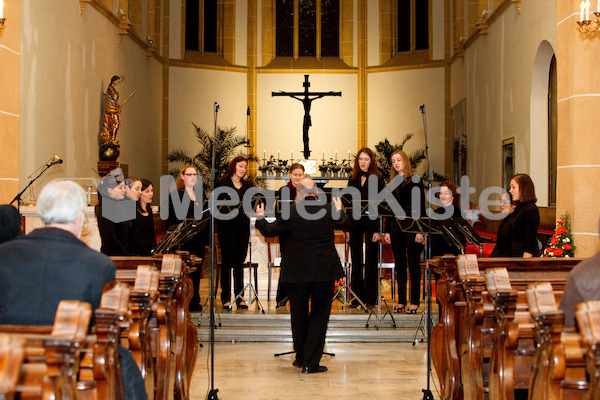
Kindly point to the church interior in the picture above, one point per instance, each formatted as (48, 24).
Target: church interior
(490, 88)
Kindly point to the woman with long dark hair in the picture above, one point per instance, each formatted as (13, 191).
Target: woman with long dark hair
(143, 237)
(234, 234)
(364, 229)
(519, 236)
(407, 247)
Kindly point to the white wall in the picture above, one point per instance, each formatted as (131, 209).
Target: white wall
(393, 102)
(334, 119)
(495, 77)
(192, 94)
(64, 73)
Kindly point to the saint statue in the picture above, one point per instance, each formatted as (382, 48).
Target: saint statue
(112, 113)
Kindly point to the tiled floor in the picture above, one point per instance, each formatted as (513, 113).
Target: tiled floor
(357, 371)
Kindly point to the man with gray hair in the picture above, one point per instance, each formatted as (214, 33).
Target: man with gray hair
(309, 267)
(583, 284)
(51, 264)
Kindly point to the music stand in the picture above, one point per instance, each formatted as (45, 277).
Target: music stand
(383, 210)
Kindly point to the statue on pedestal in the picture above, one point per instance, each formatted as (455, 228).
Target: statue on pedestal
(111, 121)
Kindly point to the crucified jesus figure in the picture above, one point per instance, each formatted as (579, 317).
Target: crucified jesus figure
(306, 98)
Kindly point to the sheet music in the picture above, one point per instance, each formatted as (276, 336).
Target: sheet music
(501, 279)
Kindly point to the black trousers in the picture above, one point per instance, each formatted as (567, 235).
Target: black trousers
(407, 253)
(134, 387)
(234, 247)
(365, 288)
(309, 327)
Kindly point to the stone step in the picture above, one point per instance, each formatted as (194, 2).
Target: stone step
(254, 327)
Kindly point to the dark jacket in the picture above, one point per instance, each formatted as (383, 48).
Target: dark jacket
(521, 231)
(114, 235)
(307, 246)
(39, 270)
(365, 222)
(403, 195)
(142, 238)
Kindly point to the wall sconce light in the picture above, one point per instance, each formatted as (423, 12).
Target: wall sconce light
(2, 19)
(586, 25)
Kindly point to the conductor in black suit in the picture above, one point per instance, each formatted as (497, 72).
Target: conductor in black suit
(309, 266)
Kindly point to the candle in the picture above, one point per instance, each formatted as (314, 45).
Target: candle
(292, 155)
(1, 9)
(278, 157)
(349, 155)
(336, 154)
(598, 6)
(587, 10)
(581, 8)
(323, 154)
(264, 154)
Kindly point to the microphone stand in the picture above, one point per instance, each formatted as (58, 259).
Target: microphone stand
(427, 395)
(212, 394)
(18, 197)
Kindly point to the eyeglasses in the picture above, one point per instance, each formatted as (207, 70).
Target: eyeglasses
(191, 174)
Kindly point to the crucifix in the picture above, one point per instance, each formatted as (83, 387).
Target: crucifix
(306, 98)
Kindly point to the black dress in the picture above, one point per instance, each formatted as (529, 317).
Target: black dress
(362, 230)
(233, 235)
(197, 244)
(142, 237)
(114, 235)
(502, 248)
(407, 252)
(439, 245)
(521, 232)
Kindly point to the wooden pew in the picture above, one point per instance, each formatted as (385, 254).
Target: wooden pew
(462, 341)
(12, 353)
(173, 336)
(50, 356)
(559, 368)
(588, 320)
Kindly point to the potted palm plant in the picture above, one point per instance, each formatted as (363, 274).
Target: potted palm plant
(226, 144)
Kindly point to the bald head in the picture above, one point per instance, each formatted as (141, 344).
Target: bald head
(306, 187)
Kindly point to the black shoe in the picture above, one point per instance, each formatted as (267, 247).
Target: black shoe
(313, 370)
(297, 363)
(282, 303)
(242, 306)
(354, 305)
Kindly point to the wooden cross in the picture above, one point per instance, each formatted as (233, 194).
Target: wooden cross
(306, 98)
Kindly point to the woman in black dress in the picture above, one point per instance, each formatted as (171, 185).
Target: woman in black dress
(406, 245)
(188, 192)
(113, 218)
(450, 198)
(507, 209)
(234, 234)
(296, 175)
(364, 229)
(520, 239)
(143, 237)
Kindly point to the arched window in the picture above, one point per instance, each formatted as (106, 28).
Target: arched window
(552, 132)
(307, 28)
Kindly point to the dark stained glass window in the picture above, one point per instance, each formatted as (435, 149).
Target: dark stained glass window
(284, 21)
(192, 11)
(422, 24)
(403, 25)
(210, 26)
(307, 24)
(330, 28)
